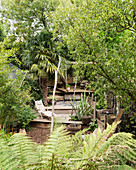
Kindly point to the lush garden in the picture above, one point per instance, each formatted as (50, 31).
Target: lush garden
(99, 37)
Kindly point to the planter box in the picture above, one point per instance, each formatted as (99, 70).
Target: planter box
(74, 127)
(86, 119)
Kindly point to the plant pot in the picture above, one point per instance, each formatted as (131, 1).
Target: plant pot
(86, 119)
(67, 88)
(74, 127)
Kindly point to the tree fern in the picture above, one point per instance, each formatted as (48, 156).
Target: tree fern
(63, 152)
(58, 147)
(118, 150)
(55, 152)
(99, 153)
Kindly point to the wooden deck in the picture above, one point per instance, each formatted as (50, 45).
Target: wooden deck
(78, 90)
(68, 95)
(38, 120)
(44, 123)
(61, 109)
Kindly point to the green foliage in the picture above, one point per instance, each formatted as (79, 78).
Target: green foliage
(63, 152)
(32, 38)
(101, 104)
(35, 91)
(3, 135)
(103, 34)
(93, 125)
(14, 98)
(81, 108)
(57, 148)
(18, 153)
(67, 85)
(133, 119)
(2, 33)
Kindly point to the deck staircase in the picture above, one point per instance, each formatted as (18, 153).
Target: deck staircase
(58, 95)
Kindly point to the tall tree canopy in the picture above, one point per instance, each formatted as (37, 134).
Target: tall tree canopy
(102, 32)
(31, 30)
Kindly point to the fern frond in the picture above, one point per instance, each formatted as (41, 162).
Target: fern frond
(118, 150)
(57, 148)
(19, 152)
(121, 167)
(63, 152)
(121, 146)
(96, 140)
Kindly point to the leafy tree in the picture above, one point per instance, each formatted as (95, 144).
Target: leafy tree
(96, 41)
(14, 96)
(2, 34)
(33, 37)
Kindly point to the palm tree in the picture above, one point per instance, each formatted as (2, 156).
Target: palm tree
(43, 69)
(39, 58)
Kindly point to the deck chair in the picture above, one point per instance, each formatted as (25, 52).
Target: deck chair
(43, 113)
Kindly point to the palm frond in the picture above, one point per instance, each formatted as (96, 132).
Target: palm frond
(34, 68)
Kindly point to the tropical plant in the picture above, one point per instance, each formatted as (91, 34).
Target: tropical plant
(81, 108)
(36, 50)
(62, 152)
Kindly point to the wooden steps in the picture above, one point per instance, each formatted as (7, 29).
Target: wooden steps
(61, 109)
(58, 97)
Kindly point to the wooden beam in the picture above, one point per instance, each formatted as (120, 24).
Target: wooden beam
(117, 119)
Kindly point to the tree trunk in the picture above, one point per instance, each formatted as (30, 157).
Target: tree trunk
(40, 82)
(45, 89)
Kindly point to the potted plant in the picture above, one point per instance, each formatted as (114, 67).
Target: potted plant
(86, 118)
(82, 110)
(74, 127)
(67, 87)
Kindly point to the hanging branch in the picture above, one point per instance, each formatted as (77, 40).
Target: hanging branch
(55, 85)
